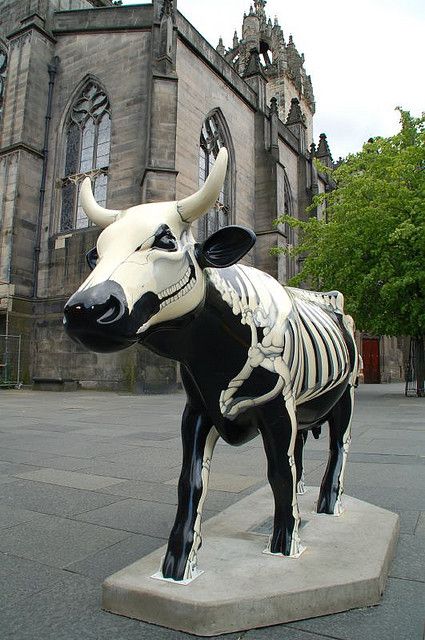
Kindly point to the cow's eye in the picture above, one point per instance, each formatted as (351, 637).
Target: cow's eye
(164, 239)
(92, 257)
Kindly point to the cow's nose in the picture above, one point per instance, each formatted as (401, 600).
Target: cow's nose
(103, 304)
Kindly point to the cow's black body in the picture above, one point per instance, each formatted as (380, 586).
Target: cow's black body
(211, 344)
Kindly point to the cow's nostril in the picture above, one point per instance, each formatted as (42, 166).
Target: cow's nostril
(114, 311)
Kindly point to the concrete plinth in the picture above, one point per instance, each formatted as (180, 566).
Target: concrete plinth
(345, 565)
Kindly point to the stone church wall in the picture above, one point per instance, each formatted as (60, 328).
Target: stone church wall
(200, 91)
(63, 266)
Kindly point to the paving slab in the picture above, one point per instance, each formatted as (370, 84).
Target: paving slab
(39, 459)
(409, 562)
(11, 516)
(72, 612)
(392, 498)
(420, 527)
(386, 475)
(134, 470)
(227, 482)
(344, 566)
(6, 479)
(57, 541)
(101, 564)
(136, 516)
(279, 632)
(392, 446)
(20, 577)
(69, 479)
(167, 493)
(12, 468)
(400, 616)
(52, 499)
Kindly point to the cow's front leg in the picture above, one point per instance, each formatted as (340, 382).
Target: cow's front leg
(199, 438)
(332, 486)
(278, 427)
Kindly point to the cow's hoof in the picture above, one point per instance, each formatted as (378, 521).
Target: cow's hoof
(173, 568)
(330, 506)
(295, 551)
(279, 545)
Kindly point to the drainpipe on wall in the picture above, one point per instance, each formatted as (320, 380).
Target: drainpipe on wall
(52, 69)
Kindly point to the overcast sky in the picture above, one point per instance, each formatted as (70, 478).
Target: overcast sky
(365, 58)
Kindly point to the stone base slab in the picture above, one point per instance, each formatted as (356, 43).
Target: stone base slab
(344, 566)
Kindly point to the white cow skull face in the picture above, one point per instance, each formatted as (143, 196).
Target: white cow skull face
(147, 269)
(150, 250)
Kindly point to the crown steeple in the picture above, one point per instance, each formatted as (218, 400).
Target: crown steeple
(281, 63)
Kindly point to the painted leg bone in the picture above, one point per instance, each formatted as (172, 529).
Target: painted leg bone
(278, 429)
(199, 438)
(332, 486)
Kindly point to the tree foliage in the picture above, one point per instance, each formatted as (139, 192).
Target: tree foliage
(371, 244)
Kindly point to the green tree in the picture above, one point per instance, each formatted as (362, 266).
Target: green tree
(371, 242)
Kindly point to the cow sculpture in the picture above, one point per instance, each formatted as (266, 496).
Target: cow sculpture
(256, 357)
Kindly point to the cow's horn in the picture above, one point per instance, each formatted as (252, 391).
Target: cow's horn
(97, 214)
(195, 205)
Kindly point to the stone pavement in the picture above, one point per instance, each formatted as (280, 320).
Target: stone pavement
(88, 485)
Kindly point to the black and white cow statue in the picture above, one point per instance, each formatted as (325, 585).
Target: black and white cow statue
(256, 357)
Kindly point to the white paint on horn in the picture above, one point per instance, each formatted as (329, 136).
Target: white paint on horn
(97, 214)
(194, 206)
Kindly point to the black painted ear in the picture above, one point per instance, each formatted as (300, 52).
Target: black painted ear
(91, 257)
(225, 247)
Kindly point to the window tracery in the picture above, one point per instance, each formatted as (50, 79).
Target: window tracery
(87, 147)
(3, 68)
(212, 138)
(288, 230)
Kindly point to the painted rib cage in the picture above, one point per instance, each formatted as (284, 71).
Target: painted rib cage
(319, 359)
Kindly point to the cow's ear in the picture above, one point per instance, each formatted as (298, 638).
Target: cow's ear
(225, 247)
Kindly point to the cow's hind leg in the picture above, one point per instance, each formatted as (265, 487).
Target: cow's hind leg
(332, 486)
(278, 427)
(199, 438)
(299, 447)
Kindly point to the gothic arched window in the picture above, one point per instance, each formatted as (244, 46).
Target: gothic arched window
(289, 231)
(3, 66)
(213, 137)
(88, 139)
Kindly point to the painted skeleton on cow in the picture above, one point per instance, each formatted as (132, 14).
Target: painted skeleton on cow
(256, 357)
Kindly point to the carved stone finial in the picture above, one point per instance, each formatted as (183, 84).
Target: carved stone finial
(220, 47)
(254, 66)
(168, 9)
(235, 40)
(295, 115)
(323, 151)
(260, 7)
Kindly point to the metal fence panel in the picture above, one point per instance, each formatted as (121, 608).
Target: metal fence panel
(10, 361)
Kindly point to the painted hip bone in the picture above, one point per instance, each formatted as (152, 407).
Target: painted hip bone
(290, 361)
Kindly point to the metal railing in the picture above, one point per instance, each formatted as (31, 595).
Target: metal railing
(10, 361)
(415, 372)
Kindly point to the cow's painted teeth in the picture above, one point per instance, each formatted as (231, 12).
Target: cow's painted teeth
(183, 286)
